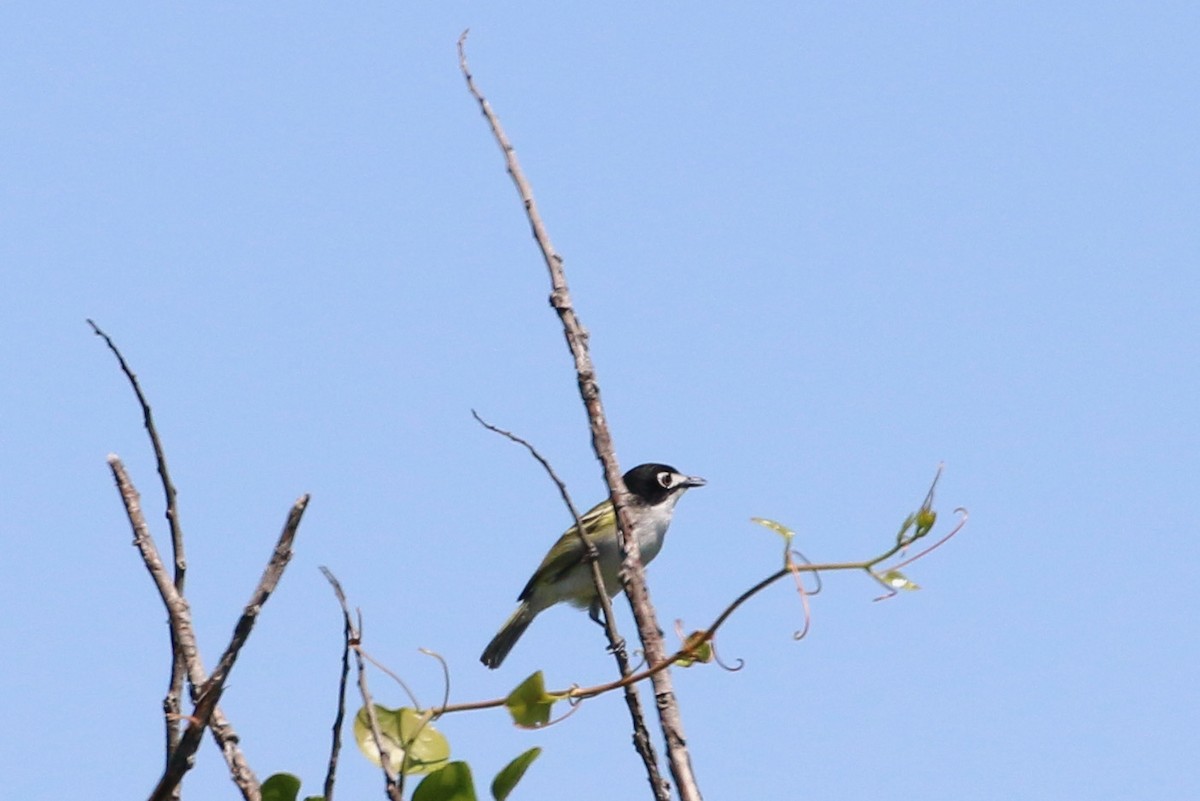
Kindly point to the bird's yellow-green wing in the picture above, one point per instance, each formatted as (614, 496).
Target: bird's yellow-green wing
(568, 551)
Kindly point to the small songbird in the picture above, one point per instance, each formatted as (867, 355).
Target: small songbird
(565, 575)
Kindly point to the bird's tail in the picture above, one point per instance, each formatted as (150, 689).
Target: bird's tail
(508, 635)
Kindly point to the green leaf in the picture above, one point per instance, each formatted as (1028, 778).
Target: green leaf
(451, 782)
(702, 650)
(778, 528)
(412, 744)
(908, 523)
(507, 779)
(783, 531)
(529, 704)
(280, 787)
(315, 798)
(898, 581)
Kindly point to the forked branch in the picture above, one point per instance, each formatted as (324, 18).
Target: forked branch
(171, 702)
(205, 690)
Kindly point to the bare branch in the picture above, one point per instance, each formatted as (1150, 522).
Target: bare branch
(179, 618)
(266, 585)
(392, 784)
(171, 703)
(182, 760)
(632, 573)
(348, 635)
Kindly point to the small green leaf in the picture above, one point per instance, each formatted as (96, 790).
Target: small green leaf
(925, 520)
(701, 648)
(315, 798)
(908, 523)
(507, 779)
(783, 531)
(412, 744)
(529, 704)
(451, 782)
(280, 787)
(778, 528)
(897, 581)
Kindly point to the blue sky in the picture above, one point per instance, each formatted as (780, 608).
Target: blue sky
(820, 248)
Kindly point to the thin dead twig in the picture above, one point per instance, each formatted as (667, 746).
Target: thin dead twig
(615, 642)
(280, 556)
(392, 784)
(335, 748)
(172, 700)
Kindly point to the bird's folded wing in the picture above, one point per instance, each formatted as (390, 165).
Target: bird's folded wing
(568, 551)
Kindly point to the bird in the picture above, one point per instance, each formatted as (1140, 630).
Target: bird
(565, 574)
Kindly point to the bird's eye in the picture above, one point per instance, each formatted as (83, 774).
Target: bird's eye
(666, 479)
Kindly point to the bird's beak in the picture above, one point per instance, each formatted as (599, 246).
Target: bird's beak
(693, 481)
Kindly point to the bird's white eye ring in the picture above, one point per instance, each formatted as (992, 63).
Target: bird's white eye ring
(666, 479)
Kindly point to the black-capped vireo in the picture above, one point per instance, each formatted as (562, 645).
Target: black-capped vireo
(565, 575)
